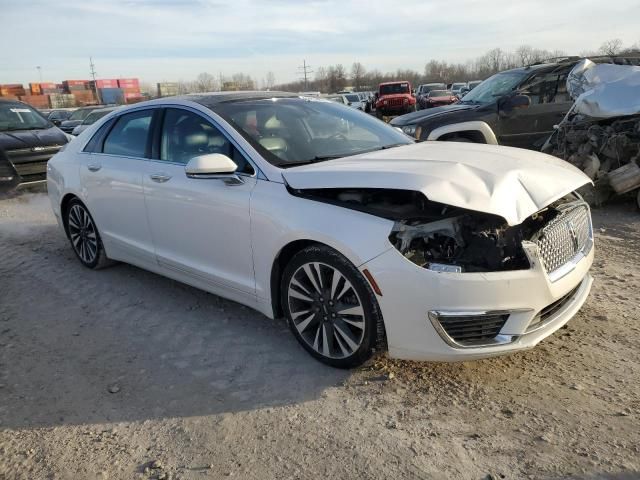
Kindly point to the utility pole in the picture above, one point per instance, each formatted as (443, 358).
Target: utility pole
(92, 71)
(305, 70)
(39, 68)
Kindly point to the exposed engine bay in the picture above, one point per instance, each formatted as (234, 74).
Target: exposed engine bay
(441, 237)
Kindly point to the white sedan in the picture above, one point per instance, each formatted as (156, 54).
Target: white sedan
(359, 237)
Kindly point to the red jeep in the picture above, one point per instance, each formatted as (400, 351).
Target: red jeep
(394, 98)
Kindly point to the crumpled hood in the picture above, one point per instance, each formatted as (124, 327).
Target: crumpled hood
(509, 182)
(604, 90)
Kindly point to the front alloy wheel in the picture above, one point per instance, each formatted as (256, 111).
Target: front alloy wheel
(330, 307)
(84, 236)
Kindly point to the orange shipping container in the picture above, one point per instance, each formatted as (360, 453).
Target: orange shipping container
(35, 88)
(37, 101)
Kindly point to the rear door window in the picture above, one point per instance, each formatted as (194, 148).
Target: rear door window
(129, 136)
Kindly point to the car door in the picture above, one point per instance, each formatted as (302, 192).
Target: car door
(529, 127)
(200, 227)
(111, 174)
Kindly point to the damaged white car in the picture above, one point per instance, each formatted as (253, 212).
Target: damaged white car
(308, 209)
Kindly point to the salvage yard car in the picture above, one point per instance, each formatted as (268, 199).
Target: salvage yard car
(394, 98)
(28, 139)
(517, 107)
(361, 238)
(437, 98)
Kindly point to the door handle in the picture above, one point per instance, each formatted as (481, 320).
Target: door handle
(160, 177)
(94, 167)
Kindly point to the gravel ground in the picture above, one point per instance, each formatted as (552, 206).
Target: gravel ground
(125, 374)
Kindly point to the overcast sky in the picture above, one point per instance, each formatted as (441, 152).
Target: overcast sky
(169, 40)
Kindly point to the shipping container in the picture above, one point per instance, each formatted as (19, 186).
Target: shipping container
(12, 91)
(84, 97)
(128, 83)
(111, 95)
(135, 90)
(105, 83)
(35, 88)
(62, 100)
(74, 83)
(37, 101)
(11, 85)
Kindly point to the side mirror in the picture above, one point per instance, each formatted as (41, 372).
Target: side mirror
(213, 165)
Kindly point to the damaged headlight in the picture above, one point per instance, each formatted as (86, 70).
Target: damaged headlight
(463, 243)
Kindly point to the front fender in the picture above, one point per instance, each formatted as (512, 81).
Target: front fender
(358, 236)
(478, 126)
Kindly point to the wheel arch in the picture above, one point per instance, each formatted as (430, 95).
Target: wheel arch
(280, 261)
(64, 205)
(476, 131)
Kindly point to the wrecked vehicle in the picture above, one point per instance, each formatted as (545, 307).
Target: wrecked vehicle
(516, 108)
(361, 238)
(601, 132)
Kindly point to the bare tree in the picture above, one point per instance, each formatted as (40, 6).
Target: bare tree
(270, 80)
(525, 54)
(321, 81)
(357, 75)
(611, 47)
(205, 82)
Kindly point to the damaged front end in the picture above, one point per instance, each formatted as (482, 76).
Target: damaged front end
(444, 238)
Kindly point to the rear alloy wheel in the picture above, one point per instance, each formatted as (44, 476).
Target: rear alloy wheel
(84, 236)
(330, 308)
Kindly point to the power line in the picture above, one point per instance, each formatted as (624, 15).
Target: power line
(305, 70)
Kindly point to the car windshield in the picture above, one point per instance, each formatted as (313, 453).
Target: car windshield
(458, 86)
(295, 131)
(494, 87)
(439, 93)
(80, 114)
(353, 98)
(95, 116)
(21, 117)
(394, 88)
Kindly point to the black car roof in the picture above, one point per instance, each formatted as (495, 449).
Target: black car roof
(210, 100)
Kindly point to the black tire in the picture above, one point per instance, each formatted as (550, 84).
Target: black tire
(357, 334)
(84, 237)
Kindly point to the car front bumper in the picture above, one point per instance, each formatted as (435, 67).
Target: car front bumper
(412, 297)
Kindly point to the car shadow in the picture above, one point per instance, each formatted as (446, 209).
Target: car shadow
(79, 346)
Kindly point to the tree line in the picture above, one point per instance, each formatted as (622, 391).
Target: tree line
(335, 78)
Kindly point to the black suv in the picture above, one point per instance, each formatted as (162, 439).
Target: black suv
(517, 107)
(28, 140)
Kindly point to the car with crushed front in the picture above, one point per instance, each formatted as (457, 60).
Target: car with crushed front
(309, 210)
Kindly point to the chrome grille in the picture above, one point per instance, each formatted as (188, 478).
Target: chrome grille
(564, 237)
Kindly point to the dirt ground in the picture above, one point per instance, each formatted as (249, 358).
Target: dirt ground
(103, 373)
